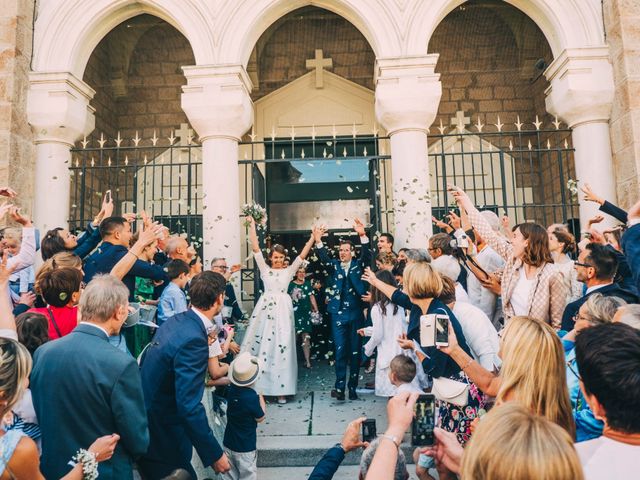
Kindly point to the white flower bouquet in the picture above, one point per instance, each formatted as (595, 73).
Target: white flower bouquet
(572, 186)
(257, 212)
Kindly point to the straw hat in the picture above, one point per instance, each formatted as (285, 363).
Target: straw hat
(244, 370)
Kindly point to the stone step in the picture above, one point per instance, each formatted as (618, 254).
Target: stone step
(305, 451)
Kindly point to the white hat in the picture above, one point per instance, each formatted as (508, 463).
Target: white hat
(244, 370)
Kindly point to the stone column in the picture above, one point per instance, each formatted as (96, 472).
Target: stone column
(217, 102)
(581, 94)
(59, 113)
(408, 93)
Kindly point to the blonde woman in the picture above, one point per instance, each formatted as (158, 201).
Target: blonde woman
(533, 370)
(512, 444)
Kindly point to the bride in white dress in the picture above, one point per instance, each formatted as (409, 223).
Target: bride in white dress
(271, 334)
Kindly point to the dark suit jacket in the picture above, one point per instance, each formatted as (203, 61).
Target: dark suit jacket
(173, 373)
(84, 388)
(631, 248)
(326, 468)
(613, 290)
(230, 300)
(616, 212)
(88, 241)
(336, 280)
(108, 254)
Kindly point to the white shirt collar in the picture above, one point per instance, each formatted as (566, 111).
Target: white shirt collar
(208, 325)
(596, 287)
(98, 327)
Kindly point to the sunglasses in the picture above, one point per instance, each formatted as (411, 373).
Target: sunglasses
(585, 265)
(572, 368)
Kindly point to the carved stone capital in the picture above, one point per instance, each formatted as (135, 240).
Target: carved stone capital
(217, 102)
(582, 86)
(408, 92)
(58, 107)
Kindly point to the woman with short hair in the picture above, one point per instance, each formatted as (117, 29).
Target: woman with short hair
(422, 286)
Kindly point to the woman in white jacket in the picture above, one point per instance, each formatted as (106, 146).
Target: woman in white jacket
(388, 324)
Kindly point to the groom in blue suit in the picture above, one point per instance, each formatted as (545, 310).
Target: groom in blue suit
(345, 289)
(173, 372)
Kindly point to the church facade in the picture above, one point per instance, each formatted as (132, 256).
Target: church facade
(323, 109)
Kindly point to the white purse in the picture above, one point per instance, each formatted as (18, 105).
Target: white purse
(451, 391)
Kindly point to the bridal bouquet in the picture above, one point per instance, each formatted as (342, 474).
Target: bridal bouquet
(257, 212)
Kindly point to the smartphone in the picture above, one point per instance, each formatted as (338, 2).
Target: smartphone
(424, 421)
(369, 432)
(107, 196)
(442, 331)
(427, 330)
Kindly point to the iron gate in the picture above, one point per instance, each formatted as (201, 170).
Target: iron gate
(525, 173)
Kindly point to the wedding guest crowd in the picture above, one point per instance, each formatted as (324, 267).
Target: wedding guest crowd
(541, 359)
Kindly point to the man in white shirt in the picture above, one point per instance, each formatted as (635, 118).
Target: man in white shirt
(608, 358)
(479, 332)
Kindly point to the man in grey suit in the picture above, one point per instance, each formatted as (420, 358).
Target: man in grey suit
(84, 388)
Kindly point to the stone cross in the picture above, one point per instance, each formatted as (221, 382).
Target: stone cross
(460, 121)
(319, 63)
(184, 134)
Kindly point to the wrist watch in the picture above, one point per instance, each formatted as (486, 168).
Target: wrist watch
(340, 446)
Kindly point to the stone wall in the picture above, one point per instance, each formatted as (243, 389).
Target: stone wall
(16, 138)
(282, 51)
(622, 24)
(487, 65)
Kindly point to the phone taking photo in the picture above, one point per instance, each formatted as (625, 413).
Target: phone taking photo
(427, 330)
(442, 331)
(369, 432)
(424, 421)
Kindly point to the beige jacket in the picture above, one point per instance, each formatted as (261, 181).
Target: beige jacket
(547, 298)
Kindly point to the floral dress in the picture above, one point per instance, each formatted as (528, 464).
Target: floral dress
(301, 298)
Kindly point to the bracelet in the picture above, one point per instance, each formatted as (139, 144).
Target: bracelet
(137, 257)
(392, 438)
(89, 464)
(467, 365)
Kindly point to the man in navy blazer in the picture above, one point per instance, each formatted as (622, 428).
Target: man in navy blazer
(596, 267)
(173, 373)
(345, 290)
(631, 243)
(84, 388)
(116, 236)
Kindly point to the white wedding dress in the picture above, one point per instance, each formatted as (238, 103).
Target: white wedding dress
(271, 334)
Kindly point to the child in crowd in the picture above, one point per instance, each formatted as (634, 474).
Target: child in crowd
(402, 374)
(60, 289)
(22, 281)
(245, 410)
(173, 299)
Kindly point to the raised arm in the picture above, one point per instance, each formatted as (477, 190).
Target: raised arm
(365, 248)
(253, 235)
(27, 255)
(318, 232)
(484, 379)
(370, 277)
(307, 246)
(605, 206)
(126, 263)
(496, 241)
(7, 320)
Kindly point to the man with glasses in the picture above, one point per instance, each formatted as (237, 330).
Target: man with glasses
(596, 267)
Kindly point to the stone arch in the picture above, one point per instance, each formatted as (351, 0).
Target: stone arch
(373, 18)
(567, 24)
(66, 33)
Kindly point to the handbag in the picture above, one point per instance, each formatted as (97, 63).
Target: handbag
(451, 391)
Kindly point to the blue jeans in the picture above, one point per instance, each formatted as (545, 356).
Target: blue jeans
(347, 346)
